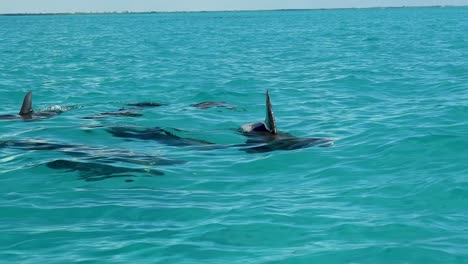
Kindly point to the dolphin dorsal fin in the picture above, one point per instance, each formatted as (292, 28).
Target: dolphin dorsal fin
(26, 108)
(270, 122)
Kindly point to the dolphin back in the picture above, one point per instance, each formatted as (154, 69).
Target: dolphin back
(26, 108)
(270, 121)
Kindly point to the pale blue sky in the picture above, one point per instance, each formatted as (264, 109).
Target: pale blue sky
(45, 6)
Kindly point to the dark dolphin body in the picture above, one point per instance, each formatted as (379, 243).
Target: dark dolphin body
(202, 105)
(124, 112)
(156, 134)
(210, 104)
(121, 112)
(96, 163)
(131, 112)
(92, 171)
(103, 154)
(282, 141)
(145, 104)
(28, 114)
(265, 136)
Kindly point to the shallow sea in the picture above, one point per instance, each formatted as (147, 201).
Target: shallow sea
(390, 86)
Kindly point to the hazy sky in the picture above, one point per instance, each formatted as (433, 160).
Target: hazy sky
(44, 6)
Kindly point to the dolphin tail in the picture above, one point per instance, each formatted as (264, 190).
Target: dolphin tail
(26, 108)
(270, 121)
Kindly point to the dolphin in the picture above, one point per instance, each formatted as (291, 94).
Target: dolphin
(145, 104)
(102, 154)
(126, 112)
(93, 171)
(265, 135)
(158, 134)
(202, 105)
(121, 112)
(211, 104)
(27, 112)
(95, 163)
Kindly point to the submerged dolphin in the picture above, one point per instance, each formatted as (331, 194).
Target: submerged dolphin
(202, 105)
(95, 163)
(27, 113)
(121, 112)
(93, 171)
(126, 112)
(266, 136)
(102, 154)
(211, 104)
(145, 104)
(156, 134)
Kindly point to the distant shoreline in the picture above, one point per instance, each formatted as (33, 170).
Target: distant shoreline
(219, 11)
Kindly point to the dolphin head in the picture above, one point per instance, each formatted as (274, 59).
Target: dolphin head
(26, 108)
(270, 121)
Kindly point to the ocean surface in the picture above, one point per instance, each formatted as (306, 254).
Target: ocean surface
(390, 86)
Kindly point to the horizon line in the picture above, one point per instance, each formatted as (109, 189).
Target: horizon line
(213, 11)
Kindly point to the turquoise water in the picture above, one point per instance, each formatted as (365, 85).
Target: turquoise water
(390, 86)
